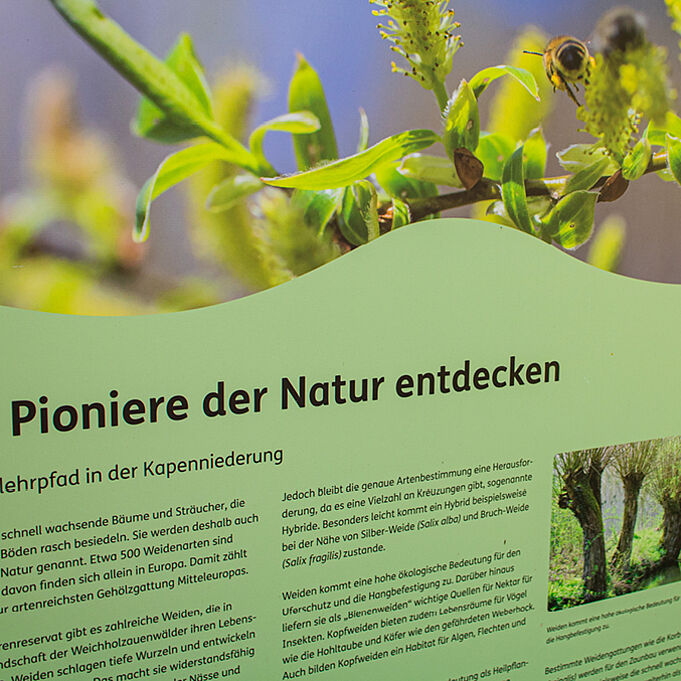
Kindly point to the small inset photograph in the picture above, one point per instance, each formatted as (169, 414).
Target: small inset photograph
(615, 521)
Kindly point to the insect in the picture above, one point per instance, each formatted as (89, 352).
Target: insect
(566, 60)
(619, 30)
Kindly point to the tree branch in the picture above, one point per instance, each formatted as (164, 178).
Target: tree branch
(488, 190)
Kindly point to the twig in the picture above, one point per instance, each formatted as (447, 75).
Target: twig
(488, 190)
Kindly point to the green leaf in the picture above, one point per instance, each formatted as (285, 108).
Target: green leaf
(358, 219)
(587, 177)
(657, 135)
(578, 156)
(571, 220)
(674, 157)
(153, 78)
(298, 122)
(172, 170)
(318, 207)
(367, 201)
(186, 64)
(161, 129)
(401, 214)
(636, 161)
(306, 93)
(535, 155)
(513, 192)
(434, 169)
(232, 190)
(350, 221)
(348, 170)
(462, 120)
(537, 207)
(363, 143)
(496, 211)
(482, 79)
(151, 122)
(401, 187)
(494, 150)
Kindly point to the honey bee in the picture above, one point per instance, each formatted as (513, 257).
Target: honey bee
(566, 60)
(619, 30)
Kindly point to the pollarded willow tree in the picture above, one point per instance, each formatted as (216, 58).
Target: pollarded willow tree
(332, 205)
(633, 462)
(666, 486)
(581, 474)
(653, 466)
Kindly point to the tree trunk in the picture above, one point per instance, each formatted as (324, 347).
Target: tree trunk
(621, 559)
(584, 503)
(595, 480)
(671, 535)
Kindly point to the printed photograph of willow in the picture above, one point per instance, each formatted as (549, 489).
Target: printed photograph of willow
(164, 155)
(615, 521)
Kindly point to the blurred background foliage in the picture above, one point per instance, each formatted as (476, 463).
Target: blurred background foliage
(70, 169)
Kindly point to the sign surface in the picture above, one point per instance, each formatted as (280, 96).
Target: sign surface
(350, 476)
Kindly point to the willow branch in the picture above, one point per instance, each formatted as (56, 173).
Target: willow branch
(488, 190)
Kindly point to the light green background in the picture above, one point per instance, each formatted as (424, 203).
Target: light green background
(436, 293)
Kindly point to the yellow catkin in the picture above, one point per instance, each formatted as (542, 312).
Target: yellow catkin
(606, 246)
(624, 88)
(423, 32)
(228, 237)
